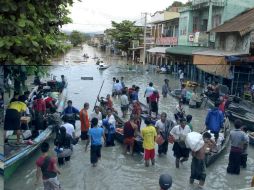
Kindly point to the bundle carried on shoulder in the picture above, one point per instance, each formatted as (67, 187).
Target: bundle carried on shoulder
(194, 141)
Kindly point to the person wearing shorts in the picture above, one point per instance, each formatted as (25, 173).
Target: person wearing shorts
(149, 135)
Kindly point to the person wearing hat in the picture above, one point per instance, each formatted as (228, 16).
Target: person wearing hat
(165, 181)
(179, 133)
(149, 135)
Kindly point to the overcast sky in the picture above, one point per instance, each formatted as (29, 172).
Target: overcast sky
(96, 15)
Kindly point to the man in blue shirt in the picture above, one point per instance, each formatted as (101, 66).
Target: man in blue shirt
(95, 135)
(70, 113)
(134, 96)
(214, 120)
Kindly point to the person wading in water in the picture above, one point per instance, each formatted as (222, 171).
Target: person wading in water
(47, 166)
(179, 133)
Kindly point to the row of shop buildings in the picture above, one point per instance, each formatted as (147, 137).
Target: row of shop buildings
(209, 40)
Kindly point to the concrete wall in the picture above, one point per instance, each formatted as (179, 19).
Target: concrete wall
(232, 42)
(184, 39)
(235, 7)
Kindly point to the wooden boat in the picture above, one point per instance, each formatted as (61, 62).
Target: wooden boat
(86, 78)
(103, 66)
(212, 156)
(251, 137)
(242, 112)
(138, 145)
(15, 155)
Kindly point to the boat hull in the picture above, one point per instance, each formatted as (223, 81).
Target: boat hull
(212, 157)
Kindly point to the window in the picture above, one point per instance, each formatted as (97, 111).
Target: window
(195, 24)
(216, 20)
(183, 28)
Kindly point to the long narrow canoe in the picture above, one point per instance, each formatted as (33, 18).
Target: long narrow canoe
(211, 157)
(138, 147)
(18, 154)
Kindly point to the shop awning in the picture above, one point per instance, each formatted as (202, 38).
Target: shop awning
(215, 65)
(157, 50)
(184, 50)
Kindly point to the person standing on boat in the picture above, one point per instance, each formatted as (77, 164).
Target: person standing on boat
(13, 114)
(71, 113)
(39, 107)
(95, 135)
(109, 124)
(108, 103)
(124, 103)
(237, 139)
(154, 101)
(85, 122)
(179, 111)
(129, 134)
(47, 166)
(179, 133)
(163, 127)
(165, 88)
(148, 92)
(149, 135)
(63, 143)
(214, 120)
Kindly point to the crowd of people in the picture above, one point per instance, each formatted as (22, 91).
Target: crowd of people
(102, 124)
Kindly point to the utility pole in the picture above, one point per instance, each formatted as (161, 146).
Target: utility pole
(144, 58)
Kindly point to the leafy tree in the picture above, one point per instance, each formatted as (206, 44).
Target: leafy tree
(30, 30)
(76, 38)
(123, 33)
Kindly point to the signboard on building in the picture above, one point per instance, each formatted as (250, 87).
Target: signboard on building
(167, 41)
(191, 38)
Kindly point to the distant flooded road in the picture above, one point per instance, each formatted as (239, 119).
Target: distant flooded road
(116, 171)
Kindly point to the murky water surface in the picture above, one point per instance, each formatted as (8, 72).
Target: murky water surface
(117, 171)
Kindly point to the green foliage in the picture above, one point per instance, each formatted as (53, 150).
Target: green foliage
(30, 30)
(123, 33)
(76, 38)
(179, 4)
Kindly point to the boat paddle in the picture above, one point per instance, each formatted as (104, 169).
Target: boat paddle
(98, 95)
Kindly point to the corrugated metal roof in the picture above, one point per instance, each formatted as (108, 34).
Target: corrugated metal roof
(242, 23)
(220, 53)
(158, 50)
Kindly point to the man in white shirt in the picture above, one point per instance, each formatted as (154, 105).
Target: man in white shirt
(109, 124)
(149, 91)
(124, 103)
(96, 114)
(179, 133)
(69, 128)
(163, 127)
(118, 87)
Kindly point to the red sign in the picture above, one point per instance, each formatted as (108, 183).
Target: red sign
(167, 41)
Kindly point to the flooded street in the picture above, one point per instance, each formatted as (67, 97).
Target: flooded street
(116, 171)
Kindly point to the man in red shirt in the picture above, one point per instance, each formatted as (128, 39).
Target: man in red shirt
(47, 166)
(39, 107)
(153, 100)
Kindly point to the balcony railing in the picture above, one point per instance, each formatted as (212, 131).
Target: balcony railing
(204, 3)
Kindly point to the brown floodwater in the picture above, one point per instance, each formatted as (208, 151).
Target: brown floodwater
(117, 171)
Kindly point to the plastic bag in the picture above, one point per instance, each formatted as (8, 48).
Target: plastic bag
(194, 141)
